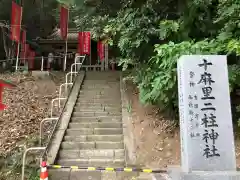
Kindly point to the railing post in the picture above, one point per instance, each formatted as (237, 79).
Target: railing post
(51, 113)
(24, 158)
(60, 91)
(42, 63)
(40, 131)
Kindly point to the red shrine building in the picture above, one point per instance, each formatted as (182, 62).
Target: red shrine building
(57, 46)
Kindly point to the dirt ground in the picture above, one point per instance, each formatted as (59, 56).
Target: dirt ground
(156, 147)
(27, 104)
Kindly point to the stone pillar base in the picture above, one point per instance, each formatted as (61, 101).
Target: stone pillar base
(175, 173)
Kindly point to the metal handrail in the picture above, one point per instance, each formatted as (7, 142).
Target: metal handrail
(24, 158)
(54, 129)
(56, 99)
(60, 91)
(75, 64)
(70, 73)
(40, 131)
(67, 79)
(75, 61)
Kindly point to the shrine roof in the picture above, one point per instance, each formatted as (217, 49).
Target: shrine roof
(56, 36)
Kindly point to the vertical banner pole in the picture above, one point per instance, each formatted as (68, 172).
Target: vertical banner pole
(65, 59)
(42, 64)
(66, 51)
(18, 48)
(64, 17)
(24, 60)
(90, 51)
(20, 24)
(106, 57)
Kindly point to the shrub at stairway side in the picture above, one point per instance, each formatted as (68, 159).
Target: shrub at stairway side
(190, 27)
(11, 164)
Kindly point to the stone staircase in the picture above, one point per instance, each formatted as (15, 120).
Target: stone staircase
(94, 136)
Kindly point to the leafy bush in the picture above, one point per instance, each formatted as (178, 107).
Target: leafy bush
(151, 35)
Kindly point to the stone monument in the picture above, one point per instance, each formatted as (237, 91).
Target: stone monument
(207, 140)
(206, 130)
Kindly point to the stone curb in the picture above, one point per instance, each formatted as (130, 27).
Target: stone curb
(129, 140)
(64, 121)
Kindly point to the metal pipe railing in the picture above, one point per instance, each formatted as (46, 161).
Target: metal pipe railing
(56, 99)
(67, 79)
(75, 61)
(41, 131)
(24, 158)
(49, 119)
(60, 91)
(74, 64)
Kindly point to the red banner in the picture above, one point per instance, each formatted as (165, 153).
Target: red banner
(80, 43)
(84, 43)
(100, 49)
(87, 43)
(16, 20)
(64, 22)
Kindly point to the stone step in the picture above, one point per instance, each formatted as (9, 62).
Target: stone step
(78, 174)
(96, 125)
(92, 131)
(111, 88)
(98, 92)
(101, 84)
(74, 174)
(98, 104)
(100, 79)
(95, 108)
(144, 176)
(84, 138)
(97, 119)
(90, 101)
(96, 100)
(91, 145)
(109, 175)
(96, 113)
(92, 162)
(99, 110)
(108, 95)
(92, 154)
(94, 90)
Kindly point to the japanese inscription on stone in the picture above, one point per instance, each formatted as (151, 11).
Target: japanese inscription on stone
(205, 114)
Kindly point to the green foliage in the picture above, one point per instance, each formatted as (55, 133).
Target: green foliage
(150, 35)
(234, 76)
(11, 163)
(159, 84)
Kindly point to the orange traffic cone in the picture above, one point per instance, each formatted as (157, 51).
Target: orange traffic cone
(44, 172)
